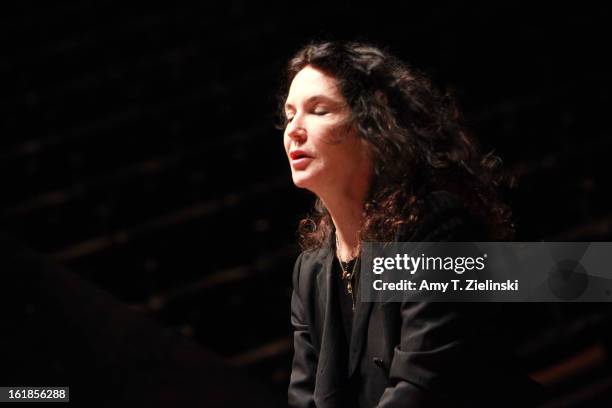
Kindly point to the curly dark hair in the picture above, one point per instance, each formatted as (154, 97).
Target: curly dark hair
(418, 140)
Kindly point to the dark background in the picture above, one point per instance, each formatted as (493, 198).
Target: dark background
(139, 160)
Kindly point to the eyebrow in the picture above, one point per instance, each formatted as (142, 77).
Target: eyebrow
(313, 98)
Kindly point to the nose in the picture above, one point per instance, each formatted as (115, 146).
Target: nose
(295, 130)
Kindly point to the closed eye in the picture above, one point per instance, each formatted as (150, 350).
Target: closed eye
(320, 110)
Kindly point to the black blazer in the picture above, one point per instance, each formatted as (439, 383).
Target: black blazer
(414, 354)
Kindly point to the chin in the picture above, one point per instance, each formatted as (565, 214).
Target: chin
(300, 182)
(303, 181)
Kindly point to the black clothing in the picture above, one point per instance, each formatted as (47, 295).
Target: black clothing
(411, 354)
(346, 300)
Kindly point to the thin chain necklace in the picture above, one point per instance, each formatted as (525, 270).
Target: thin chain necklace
(346, 275)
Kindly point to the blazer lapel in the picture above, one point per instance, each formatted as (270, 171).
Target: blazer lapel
(359, 332)
(361, 321)
(332, 367)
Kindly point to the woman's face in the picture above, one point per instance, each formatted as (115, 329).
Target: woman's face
(324, 150)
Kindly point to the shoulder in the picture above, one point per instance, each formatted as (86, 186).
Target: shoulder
(308, 265)
(443, 216)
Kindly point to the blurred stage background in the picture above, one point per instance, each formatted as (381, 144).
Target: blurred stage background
(138, 152)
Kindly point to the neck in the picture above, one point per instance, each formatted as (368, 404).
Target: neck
(346, 210)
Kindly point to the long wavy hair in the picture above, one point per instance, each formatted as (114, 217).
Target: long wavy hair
(418, 140)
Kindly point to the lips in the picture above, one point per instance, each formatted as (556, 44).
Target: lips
(300, 159)
(298, 154)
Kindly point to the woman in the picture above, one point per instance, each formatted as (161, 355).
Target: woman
(388, 159)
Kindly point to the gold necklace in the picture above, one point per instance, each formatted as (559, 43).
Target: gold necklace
(346, 275)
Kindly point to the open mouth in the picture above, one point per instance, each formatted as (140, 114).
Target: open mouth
(298, 154)
(299, 160)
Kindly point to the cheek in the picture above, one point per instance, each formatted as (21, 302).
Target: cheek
(343, 155)
(338, 132)
(286, 141)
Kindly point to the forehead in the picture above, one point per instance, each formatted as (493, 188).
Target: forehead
(311, 81)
